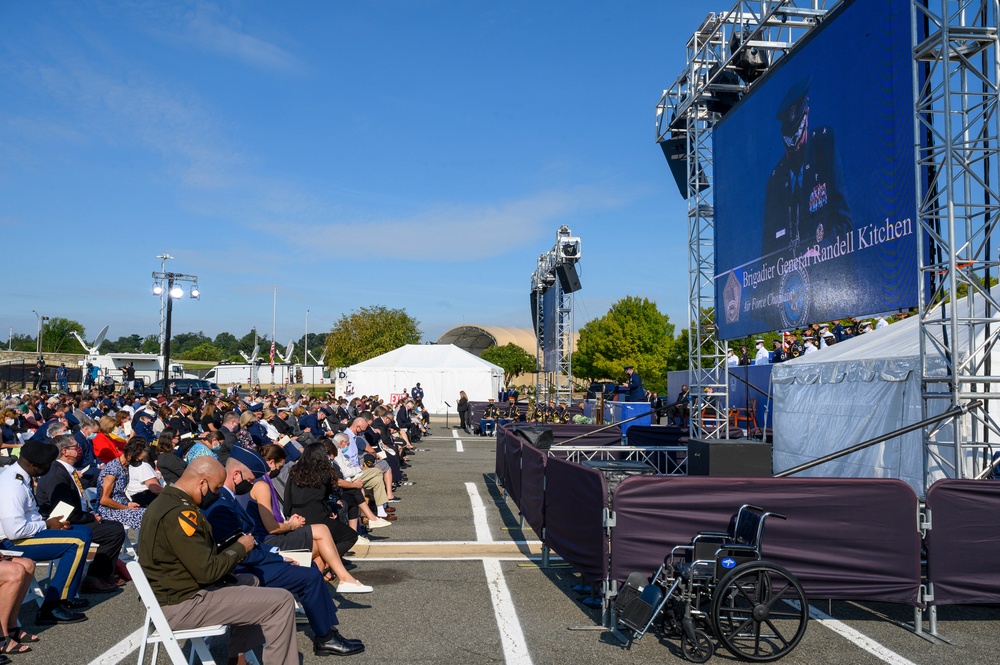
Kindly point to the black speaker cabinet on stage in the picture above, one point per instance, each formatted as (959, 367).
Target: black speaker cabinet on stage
(729, 458)
(538, 436)
(568, 279)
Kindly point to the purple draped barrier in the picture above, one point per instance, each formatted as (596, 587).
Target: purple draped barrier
(533, 487)
(575, 498)
(501, 455)
(963, 544)
(512, 452)
(845, 538)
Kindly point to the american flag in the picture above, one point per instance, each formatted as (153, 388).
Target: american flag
(272, 355)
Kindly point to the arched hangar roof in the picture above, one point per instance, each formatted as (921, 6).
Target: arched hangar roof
(476, 339)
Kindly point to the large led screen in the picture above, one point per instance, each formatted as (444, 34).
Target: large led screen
(814, 180)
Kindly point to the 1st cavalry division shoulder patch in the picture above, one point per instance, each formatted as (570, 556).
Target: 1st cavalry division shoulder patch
(188, 519)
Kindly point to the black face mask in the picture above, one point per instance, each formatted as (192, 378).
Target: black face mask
(243, 487)
(207, 500)
(273, 473)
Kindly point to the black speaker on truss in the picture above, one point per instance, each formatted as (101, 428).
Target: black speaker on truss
(568, 279)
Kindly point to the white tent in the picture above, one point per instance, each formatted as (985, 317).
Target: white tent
(855, 391)
(442, 370)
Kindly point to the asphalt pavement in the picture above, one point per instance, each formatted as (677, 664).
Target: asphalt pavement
(456, 580)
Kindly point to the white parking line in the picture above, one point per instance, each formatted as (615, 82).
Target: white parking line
(855, 637)
(459, 447)
(479, 515)
(515, 649)
(454, 433)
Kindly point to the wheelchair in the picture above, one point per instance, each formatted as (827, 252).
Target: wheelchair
(718, 589)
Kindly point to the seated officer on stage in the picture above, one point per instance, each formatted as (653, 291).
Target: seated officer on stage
(513, 412)
(40, 539)
(227, 516)
(193, 579)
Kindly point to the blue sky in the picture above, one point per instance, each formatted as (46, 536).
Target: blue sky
(416, 155)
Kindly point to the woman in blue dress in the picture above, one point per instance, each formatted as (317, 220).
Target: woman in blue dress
(113, 480)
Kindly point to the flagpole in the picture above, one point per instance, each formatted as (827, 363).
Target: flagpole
(274, 324)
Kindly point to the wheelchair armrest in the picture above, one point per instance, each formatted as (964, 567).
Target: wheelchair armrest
(669, 559)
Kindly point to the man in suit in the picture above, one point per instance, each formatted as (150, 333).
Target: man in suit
(230, 423)
(62, 484)
(227, 516)
(679, 409)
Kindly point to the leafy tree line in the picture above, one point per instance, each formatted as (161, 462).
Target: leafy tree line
(57, 337)
(354, 338)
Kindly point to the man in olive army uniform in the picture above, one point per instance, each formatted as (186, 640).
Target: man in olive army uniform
(193, 582)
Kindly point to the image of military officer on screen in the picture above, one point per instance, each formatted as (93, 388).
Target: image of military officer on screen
(804, 204)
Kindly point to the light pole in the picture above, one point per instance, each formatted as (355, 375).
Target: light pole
(172, 291)
(163, 296)
(305, 351)
(38, 339)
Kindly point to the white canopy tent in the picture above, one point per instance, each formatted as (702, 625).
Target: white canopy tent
(442, 370)
(855, 391)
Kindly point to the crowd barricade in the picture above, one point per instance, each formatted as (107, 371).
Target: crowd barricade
(844, 539)
(575, 501)
(533, 487)
(963, 542)
(834, 541)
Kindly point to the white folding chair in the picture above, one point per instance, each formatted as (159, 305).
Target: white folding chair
(157, 631)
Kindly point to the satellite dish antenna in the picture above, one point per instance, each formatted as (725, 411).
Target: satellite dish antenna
(251, 358)
(287, 356)
(92, 349)
(321, 358)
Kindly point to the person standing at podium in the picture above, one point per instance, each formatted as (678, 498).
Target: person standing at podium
(633, 388)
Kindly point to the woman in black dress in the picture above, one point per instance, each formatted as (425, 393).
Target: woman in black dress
(463, 411)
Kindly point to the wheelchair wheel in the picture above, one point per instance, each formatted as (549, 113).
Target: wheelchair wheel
(759, 611)
(700, 650)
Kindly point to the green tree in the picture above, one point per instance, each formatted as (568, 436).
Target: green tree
(369, 332)
(19, 342)
(633, 332)
(57, 336)
(184, 342)
(151, 344)
(204, 351)
(512, 358)
(227, 342)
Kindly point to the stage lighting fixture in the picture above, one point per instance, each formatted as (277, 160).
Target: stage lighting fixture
(195, 292)
(157, 289)
(176, 292)
(751, 63)
(569, 250)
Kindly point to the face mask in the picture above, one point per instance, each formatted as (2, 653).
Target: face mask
(207, 500)
(91, 436)
(243, 487)
(274, 473)
(9, 421)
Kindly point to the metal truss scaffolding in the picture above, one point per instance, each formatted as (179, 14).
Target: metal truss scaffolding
(713, 78)
(956, 76)
(555, 368)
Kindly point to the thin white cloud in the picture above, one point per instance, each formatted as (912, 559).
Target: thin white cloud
(456, 232)
(206, 28)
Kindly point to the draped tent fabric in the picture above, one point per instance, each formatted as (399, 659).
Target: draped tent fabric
(441, 369)
(857, 390)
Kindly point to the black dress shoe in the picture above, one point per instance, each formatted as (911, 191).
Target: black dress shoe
(95, 585)
(54, 615)
(74, 603)
(335, 645)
